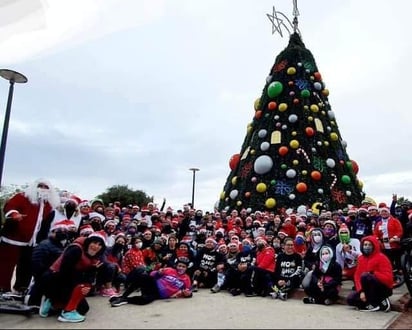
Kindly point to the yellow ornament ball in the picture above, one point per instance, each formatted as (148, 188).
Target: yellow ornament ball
(257, 103)
(325, 92)
(304, 172)
(305, 107)
(252, 151)
(334, 136)
(294, 144)
(326, 143)
(323, 112)
(282, 107)
(239, 203)
(314, 108)
(360, 184)
(295, 162)
(270, 203)
(234, 180)
(261, 187)
(222, 195)
(310, 118)
(294, 133)
(291, 70)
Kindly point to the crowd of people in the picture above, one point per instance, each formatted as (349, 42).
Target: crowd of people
(63, 250)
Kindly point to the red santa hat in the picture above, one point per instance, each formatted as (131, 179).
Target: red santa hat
(110, 222)
(97, 236)
(86, 230)
(373, 207)
(383, 207)
(96, 215)
(343, 227)
(62, 225)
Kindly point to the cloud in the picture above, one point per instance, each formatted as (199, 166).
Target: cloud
(140, 92)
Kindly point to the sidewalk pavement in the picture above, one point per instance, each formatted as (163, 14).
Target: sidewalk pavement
(214, 311)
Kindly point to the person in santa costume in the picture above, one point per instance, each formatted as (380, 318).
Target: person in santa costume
(24, 213)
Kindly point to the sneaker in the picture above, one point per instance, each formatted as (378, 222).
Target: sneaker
(45, 307)
(385, 305)
(274, 295)
(369, 308)
(215, 289)
(235, 292)
(309, 300)
(113, 298)
(327, 302)
(108, 292)
(72, 317)
(120, 301)
(283, 296)
(250, 294)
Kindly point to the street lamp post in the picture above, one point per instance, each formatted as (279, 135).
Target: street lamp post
(194, 170)
(12, 77)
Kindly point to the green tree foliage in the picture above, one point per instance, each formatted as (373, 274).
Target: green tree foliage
(293, 153)
(124, 195)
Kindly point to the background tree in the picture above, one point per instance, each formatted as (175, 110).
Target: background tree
(125, 196)
(293, 153)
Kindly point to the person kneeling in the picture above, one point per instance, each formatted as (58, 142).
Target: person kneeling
(373, 279)
(164, 283)
(324, 285)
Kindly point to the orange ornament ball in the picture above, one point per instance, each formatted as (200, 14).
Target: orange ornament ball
(301, 187)
(258, 114)
(317, 76)
(272, 105)
(283, 150)
(316, 175)
(295, 101)
(247, 194)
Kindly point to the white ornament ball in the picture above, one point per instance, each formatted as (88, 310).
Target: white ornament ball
(234, 193)
(264, 146)
(320, 191)
(293, 118)
(344, 144)
(317, 85)
(262, 133)
(291, 173)
(268, 79)
(263, 164)
(331, 115)
(330, 163)
(292, 196)
(348, 193)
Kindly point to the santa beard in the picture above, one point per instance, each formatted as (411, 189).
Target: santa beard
(43, 194)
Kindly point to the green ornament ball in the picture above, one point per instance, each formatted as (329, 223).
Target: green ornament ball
(274, 89)
(345, 179)
(305, 93)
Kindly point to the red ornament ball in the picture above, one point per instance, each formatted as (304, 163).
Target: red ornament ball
(234, 161)
(283, 150)
(301, 187)
(309, 131)
(272, 105)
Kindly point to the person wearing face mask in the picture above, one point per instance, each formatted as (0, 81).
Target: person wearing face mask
(114, 255)
(347, 252)
(43, 257)
(24, 215)
(326, 279)
(133, 258)
(264, 269)
(164, 283)
(330, 233)
(373, 278)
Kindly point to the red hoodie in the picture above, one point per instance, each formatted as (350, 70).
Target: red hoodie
(376, 263)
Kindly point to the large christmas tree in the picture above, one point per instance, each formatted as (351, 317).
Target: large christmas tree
(293, 153)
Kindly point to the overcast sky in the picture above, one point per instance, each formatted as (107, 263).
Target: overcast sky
(136, 92)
